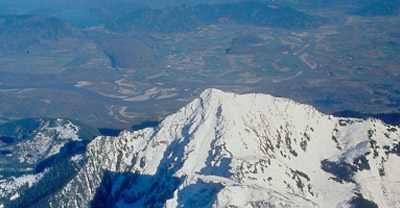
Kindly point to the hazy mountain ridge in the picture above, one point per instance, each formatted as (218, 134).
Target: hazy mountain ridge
(321, 3)
(186, 18)
(241, 150)
(24, 31)
(378, 8)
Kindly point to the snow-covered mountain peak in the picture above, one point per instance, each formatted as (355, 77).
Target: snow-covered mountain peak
(251, 150)
(212, 92)
(225, 149)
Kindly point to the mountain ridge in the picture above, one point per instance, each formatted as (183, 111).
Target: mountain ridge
(255, 150)
(28, 31)
(186, 18)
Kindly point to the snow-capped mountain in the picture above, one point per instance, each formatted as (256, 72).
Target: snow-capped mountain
(32, 153)
(230, 150)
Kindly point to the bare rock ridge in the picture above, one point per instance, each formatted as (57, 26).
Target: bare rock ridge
(230, 150)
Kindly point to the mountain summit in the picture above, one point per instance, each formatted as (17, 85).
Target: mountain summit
(230, 150)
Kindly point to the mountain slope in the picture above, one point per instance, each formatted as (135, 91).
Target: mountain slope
(234, 150)
(25, 31)
(38, 156)
(229, 150)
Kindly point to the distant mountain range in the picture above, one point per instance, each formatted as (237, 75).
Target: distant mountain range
(186, 18)
(307, 4)
(379, 8)
(123, 15)
(221, 150)
(24, 31)
(85, 13)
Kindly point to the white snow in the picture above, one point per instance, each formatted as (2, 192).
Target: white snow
(12, 184)
(45, 142)
(259, 149)
(48, 141)
(77, 158)
(14, 197)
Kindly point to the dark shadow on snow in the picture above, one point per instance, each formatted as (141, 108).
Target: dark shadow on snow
(199, 194)
(129, 188)
(139, 190)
